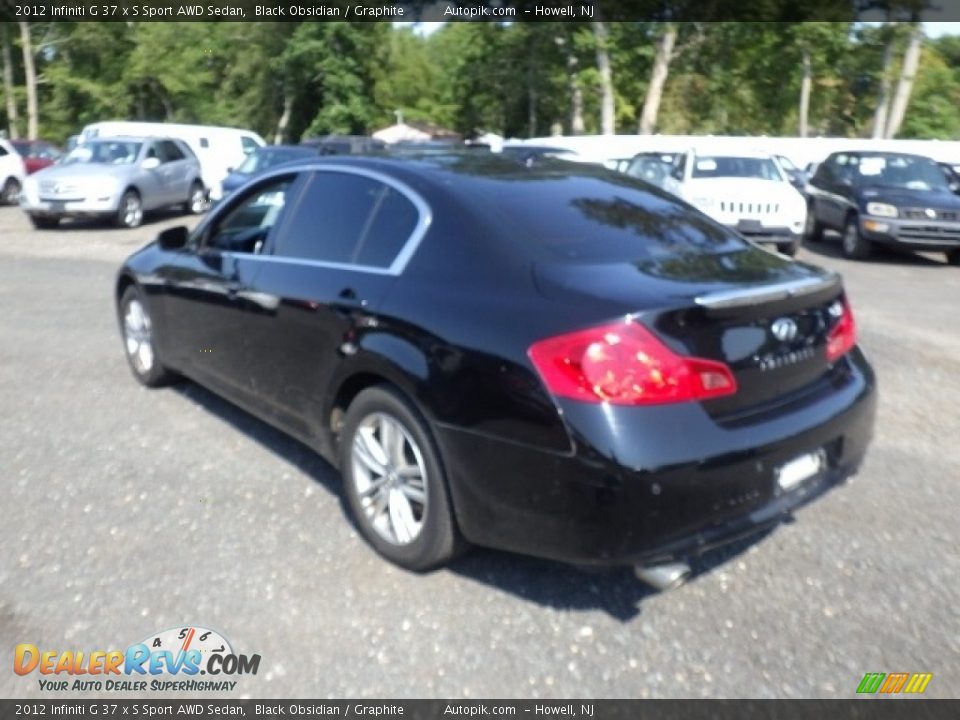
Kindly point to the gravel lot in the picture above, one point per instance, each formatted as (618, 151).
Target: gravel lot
(127, 511)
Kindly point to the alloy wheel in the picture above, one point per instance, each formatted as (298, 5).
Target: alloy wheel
(138, 337)
(390, 478)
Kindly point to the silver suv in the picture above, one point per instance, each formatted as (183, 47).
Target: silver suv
(118, 178)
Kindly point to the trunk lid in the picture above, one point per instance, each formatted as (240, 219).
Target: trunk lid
(765, 317)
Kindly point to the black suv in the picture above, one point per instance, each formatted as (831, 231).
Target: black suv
(887, 198)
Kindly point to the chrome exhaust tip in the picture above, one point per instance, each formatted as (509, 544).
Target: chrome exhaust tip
(663, 577)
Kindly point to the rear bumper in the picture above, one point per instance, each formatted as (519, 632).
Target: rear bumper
(915, 234)
(648, 485)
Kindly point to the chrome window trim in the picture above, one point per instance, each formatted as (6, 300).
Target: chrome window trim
(767, 293)
(409, 247)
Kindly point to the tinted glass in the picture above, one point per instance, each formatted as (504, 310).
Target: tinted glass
(263, 158)
(168, 151)
(248, 144)
(345, 218)
(599, 219)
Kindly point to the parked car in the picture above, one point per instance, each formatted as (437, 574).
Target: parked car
(36, 154)
(747, 191)
(217, 148)
(344, 145)
(531, 153)
(12, 173)
(554, 360)
(257, 162)
(652, 167)
(118, 178)
(884, 198)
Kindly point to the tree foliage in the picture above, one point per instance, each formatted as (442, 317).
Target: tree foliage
(516, 79)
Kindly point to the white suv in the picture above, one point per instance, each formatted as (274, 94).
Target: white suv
(745, 190)
(12, 172)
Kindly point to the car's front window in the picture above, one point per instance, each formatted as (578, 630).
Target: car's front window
(911, 173)
(736, 167)
(113, 152)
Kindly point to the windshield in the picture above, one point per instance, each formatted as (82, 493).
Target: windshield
(903, 171)
(736, 167)
(108, 152)
(652, 168)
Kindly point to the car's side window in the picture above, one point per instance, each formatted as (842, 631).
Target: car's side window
(248, 144)
(245, 227)
(346, 218)
(168, 151)
(679, 167)
(3, 151)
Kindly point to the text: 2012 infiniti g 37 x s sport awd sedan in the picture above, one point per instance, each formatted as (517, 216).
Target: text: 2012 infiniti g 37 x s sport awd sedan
(555, 360)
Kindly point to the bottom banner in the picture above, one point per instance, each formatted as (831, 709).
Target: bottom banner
(874, 709)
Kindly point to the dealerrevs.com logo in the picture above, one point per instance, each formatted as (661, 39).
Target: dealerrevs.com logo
(171, 660)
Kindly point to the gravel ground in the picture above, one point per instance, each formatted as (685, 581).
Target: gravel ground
(127, 511)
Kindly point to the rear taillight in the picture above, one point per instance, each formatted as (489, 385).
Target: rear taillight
(625, 364)
(843, 336)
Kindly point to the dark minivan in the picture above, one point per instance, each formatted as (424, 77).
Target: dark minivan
(884, 198)
(556, 360)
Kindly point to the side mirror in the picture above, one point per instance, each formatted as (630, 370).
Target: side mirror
(174, 238)
(150, 163)
(954, 187)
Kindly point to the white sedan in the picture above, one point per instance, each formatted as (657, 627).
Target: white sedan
(747, 191)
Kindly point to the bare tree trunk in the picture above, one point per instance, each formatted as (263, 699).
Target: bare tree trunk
(658, 78)
(281, 133)
(13, 129)
(911, 61)
(607, 107)
(805, 85)
(30, 77)
(576, 97)
(883, 101)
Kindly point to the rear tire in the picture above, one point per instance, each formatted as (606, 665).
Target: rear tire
(196, 200)
(953, 257)
(139, 340)
(41, 222)
(853, 243)
(394, 481)
(11, 192)
(130, 210)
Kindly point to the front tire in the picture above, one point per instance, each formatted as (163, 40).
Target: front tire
(812, 229)
(394, 481)
(130, 210)
(139, 341)
(11, 192)
(853, 243)
(43, 222)
(790, 249)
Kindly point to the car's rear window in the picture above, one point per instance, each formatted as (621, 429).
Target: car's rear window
(599, 219)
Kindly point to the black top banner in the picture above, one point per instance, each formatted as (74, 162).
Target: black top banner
(913, 709)
(496, 11)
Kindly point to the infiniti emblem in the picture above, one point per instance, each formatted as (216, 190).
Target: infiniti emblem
(784, 329)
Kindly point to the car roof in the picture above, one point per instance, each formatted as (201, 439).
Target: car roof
(127, 138)
(468, 168)
(745, 152)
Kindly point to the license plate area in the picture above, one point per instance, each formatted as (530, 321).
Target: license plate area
(795, 472)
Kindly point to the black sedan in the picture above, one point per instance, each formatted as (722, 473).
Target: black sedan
(884, 198)
(557, 360)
